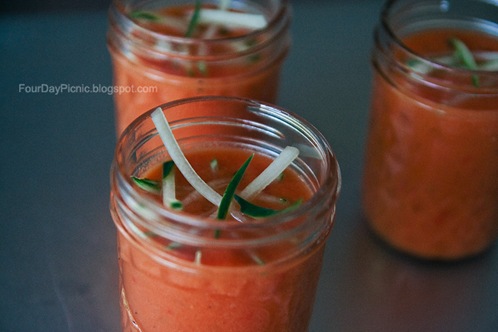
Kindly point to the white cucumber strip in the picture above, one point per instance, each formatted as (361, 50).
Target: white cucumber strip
(169, 190)
(224, 4)
(198, 256)
(284, 159)
(176, 154)
(232, 19)
(491, 65)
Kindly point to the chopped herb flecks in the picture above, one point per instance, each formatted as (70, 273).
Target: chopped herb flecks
(214, 165)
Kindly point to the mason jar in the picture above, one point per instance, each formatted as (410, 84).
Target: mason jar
(186, 270)
(153, 63)
(430, 186)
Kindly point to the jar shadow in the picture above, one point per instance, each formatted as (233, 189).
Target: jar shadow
(391, 291)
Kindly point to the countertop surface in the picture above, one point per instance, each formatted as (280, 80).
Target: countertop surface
(58, 263)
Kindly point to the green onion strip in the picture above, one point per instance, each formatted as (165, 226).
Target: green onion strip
(230, 190)
(150, 186)
(194, 20)
(256, 211)
(226, 201)
(144, 15)
(463, 53)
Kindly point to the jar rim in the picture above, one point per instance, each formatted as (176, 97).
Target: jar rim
(158, 215)
(281, 14)
(388, 36)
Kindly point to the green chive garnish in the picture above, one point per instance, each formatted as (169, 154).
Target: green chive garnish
(194, 20)
(176, 205)
(230, 190)
(214, 164)
(147, 185)
(173, 246)
(143, 15)
(258, 259)
(253, 210)
(463, 53)
(465, 57)
(168, 168)
(226, 200)
(201, 65)
(256, 211)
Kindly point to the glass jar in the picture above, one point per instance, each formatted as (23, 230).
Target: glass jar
(152, 67)
(430, 185)
(260, 274)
